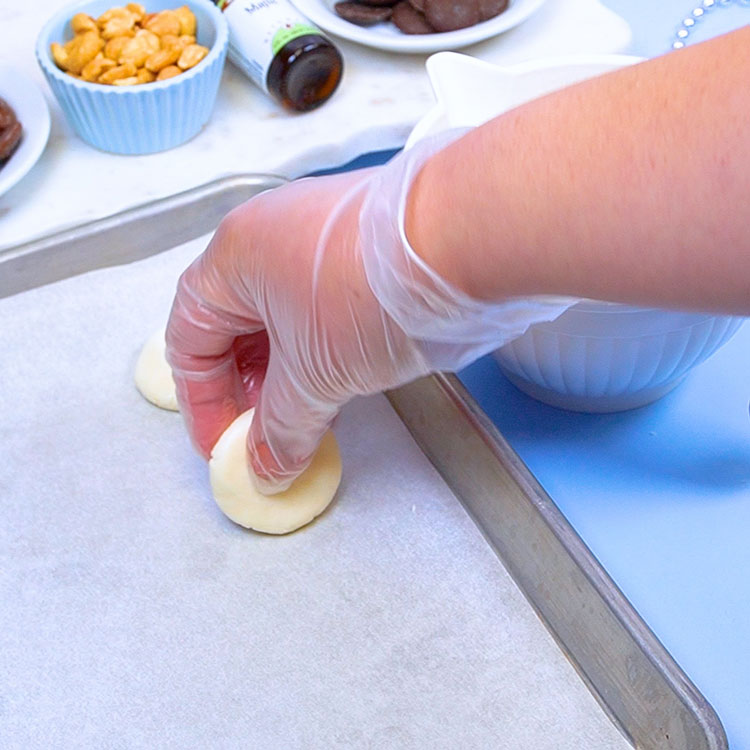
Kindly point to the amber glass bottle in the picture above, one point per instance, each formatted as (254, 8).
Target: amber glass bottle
(282, 52)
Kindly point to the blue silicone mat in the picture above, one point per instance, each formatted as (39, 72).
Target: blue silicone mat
(661, 495)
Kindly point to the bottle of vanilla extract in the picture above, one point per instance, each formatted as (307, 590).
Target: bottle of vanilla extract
(282, 52)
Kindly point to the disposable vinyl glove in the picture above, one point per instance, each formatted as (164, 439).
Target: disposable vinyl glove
(309, 295)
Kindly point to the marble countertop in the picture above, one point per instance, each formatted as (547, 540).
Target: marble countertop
(381, 97)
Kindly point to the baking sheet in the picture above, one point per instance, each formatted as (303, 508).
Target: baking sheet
(134, 614)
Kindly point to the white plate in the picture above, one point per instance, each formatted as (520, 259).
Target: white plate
(386, 36)
(31, 109)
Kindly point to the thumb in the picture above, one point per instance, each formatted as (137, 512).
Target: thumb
(287, 427)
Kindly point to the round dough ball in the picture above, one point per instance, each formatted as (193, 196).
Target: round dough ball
(235, 493)
(153, 375)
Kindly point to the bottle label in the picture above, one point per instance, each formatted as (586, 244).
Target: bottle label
(258, 29)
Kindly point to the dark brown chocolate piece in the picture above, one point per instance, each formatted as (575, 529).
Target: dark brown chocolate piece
(362, 15)
(409, 20)
(7, 115)
(377, 3)
(10, 137)
(449, 15)
(10, 130)
(491, 8)
(421, 16)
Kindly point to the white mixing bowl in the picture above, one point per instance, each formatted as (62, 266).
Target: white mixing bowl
(597, 356)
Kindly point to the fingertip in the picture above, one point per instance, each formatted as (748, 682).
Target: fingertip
(269, 477)
(268, 486)
(287, 427)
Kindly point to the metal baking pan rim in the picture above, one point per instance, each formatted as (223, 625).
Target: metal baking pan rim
(689, 722)
(643, 731)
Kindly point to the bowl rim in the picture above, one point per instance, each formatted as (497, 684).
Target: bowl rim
(44, 57)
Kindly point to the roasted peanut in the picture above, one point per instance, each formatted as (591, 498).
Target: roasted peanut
(192, 55)
(136, 51)
(93, 69)
(145, 76)
(168, 40)
(162, 58)
(129, 81)
(81, 49)
(187, 20)
(126, 70)
(119, 26)
(151, 40)
(59, 55)
(164, 22)
(82, 22)
(169, 72)
(114, 47)
(111, 14)
(137, 10)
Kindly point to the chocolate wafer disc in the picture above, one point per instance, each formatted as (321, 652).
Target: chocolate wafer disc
(491, 8)
(377, 3)
(7, 115)
(409, 20)
(9, 140)
(362, 15)
(449, 15)
(10, 131)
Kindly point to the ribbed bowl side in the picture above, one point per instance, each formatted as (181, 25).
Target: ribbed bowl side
(606, 368)
(143, 121)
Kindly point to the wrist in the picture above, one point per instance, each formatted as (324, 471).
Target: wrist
(428, 296)
(429, 228)
(443, 222)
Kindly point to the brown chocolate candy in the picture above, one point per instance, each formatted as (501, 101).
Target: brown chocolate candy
(449, 15)
(421, 16)
(10, 137)
(409, 20)
(377, 3)
(362, 15)
(491, 8)
(7, 115)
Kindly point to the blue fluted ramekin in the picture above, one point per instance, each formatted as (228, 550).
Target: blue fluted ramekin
(148, 117)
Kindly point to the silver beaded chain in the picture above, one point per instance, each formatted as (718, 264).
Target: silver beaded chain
(697, 14)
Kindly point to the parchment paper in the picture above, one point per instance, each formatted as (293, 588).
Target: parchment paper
(133, 614)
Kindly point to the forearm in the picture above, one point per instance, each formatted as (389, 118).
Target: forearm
(631, 187)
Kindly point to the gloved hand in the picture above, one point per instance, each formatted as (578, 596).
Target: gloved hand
(309, 295)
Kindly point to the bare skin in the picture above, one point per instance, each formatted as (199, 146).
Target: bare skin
(630, 187)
